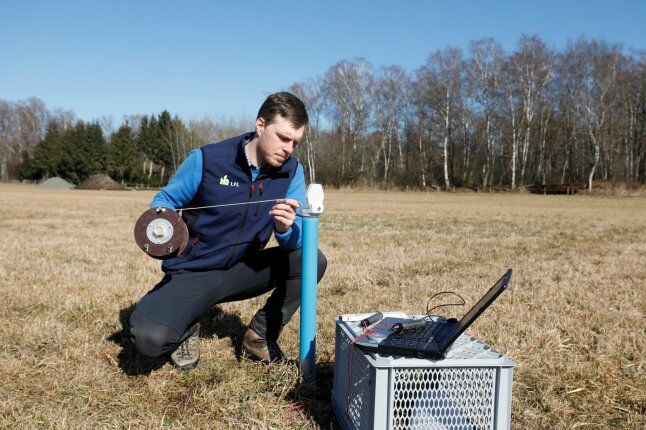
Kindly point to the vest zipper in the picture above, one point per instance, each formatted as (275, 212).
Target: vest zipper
(241, 228)
(259, 204)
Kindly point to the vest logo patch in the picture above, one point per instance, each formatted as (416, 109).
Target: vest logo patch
(225, 181)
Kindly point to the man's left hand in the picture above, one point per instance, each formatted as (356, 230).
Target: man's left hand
(284, 213)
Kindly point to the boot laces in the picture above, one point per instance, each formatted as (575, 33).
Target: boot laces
(186, 348)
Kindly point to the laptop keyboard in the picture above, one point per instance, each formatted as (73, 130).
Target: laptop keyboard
(414, 339)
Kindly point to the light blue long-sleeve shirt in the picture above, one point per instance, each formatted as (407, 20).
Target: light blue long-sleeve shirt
(184, 185)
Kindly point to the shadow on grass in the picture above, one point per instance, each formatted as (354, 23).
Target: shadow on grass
(315, 401)
(130, 361)
(214, 322)
(312, 401)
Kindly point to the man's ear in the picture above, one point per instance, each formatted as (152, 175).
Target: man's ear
(260, 126)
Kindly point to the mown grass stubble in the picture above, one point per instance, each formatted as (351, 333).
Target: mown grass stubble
(573, 319)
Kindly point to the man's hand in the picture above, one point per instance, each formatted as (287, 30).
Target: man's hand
(284, 212)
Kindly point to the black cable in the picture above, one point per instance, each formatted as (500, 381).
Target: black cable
(428, 311)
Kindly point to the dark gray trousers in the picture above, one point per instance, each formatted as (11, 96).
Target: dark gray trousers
(164, 317)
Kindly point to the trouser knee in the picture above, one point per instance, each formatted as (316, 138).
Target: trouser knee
(295, 260)
(149, 338)
(322, 264)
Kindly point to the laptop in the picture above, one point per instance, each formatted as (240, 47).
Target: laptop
(434, 339)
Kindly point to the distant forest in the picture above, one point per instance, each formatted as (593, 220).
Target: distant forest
(484, 119)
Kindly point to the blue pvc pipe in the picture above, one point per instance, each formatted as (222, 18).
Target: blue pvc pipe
(308, 296)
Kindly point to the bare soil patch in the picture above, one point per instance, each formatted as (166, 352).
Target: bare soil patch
(100, 182)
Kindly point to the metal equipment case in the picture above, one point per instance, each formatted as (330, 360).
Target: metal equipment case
(469, 390)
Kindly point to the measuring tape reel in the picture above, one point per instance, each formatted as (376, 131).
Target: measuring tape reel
(161, 233)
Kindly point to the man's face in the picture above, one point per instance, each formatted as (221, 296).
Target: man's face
(276, 141)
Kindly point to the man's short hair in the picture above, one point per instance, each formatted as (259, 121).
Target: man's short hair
(286, 105)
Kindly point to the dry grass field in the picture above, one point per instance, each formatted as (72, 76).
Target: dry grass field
(572, 320)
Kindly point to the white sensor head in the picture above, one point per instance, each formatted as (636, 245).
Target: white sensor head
(314, 199)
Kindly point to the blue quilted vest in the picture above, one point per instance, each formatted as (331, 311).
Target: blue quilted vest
(220, 237)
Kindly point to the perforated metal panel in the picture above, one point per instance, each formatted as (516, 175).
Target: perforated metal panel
(469, 390)
(359, 402)
(353, 377)
(443, 398)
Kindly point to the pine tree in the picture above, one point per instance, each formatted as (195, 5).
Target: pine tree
(96, 149)
(122, 154)
(83, 152)
(168, 129)
(74, 165)
(147, 140)
(152, 141)
(46, 160)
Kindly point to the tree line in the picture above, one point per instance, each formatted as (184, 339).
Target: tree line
(130, 155)
(36, 143)
(484, 118)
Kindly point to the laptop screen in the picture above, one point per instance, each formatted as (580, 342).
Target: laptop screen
(484, 302)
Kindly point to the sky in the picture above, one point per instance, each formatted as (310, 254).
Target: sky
(220, 59)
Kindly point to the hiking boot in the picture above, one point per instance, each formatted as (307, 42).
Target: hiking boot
(187, 354)
(261, 349)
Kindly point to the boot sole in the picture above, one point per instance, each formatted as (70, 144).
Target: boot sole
(245, 353)
(189, 366)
